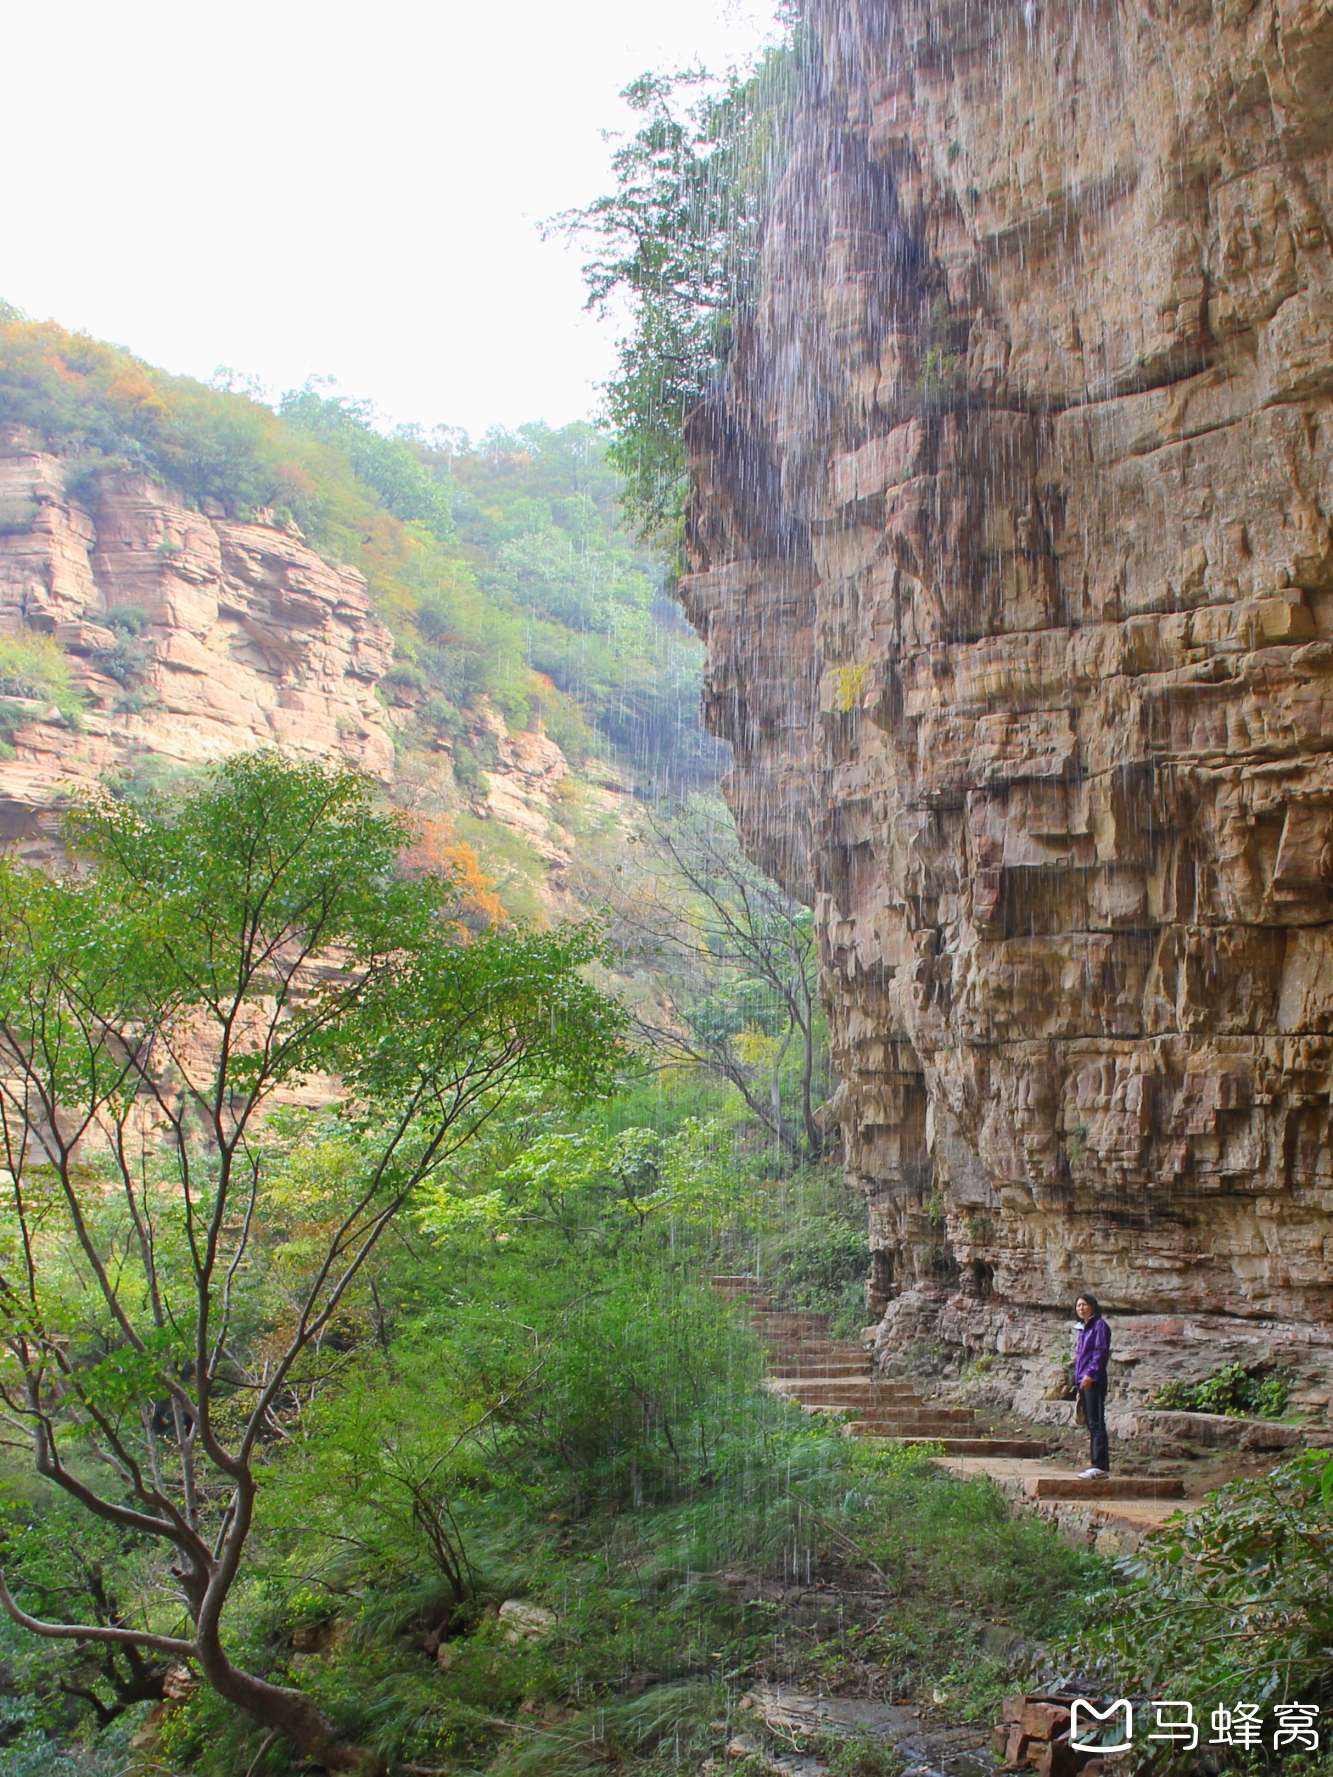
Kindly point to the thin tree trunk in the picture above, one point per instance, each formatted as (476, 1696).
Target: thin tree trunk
(813, 1137)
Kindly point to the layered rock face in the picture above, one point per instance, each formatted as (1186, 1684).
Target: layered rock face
(1011, 546)
(192, 637)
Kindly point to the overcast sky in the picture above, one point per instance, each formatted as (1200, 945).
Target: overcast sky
(298, 187)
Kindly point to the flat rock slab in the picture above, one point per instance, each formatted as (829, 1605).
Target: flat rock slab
(955, 1752)
(799, 1712)
(1116, 1487)
(1214, 1430)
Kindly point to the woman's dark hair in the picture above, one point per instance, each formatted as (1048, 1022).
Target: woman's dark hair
(1091, 1301)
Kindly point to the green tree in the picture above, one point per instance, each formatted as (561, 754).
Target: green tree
(736, 960)
(392, 465)
(170, 1271)
(678, 239)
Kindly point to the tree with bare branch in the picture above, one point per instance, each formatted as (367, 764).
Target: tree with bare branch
(734, 958)
(165, 1285)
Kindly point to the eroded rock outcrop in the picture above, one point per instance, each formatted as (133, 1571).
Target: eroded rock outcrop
(1011, 546)
(191, 636)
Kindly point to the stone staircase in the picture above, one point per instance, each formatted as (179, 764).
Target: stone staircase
(835, 1376)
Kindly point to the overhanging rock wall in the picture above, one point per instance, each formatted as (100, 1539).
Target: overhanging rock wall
(1010, 542)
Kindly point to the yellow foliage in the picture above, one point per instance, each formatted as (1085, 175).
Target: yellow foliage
(131, 388)
(435, 852)
(848, 684)
(754, 1048)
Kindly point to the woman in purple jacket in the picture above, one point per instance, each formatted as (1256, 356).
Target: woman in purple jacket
(1090, 1361)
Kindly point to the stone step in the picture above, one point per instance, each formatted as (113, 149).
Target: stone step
(840, 1348)
(893, 1433)
(1027, 1447)
(893, 1425)
(821, 1360)
(848, 1392)
(1115, 1487)
(807, 1360)
(888, 1424)
(961, 1417)
(902, 1413)
(816, 1372)
(782, 1320)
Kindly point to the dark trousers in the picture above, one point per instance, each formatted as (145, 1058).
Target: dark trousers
(1094, 1411)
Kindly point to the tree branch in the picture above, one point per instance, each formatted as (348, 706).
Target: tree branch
(164, 1644)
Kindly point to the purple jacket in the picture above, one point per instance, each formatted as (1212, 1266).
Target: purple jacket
(1094, 1348)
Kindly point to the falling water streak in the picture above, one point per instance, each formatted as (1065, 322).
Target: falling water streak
(797, 400)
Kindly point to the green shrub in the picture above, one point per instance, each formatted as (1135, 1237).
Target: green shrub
(34, 666)
(129, 620)
(816, 1256)
(1234, 1391)
(1232, 1600)
(406, 677)
(16, 516)
(439, 712)
(124, 660)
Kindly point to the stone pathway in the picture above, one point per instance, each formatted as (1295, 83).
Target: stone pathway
(836, 1376)
(1104, 1521)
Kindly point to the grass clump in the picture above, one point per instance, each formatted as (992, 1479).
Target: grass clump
(34, 669)
(34, 666)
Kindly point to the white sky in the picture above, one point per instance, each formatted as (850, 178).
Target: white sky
(297, 187)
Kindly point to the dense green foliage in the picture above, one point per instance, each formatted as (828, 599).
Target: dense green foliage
(502, 568)
(542, 1400)
(1233, 1602)
(814, 1253)
(1232, 1391)
(678, 241)
(522, 1389)
(180, 1238)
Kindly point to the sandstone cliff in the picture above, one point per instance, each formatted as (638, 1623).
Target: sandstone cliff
(1010, 543)
(191, 637)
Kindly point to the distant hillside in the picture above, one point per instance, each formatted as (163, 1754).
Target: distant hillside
(501, 568)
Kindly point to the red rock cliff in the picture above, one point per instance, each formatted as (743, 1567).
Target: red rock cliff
(241, 635)
(1011, 546)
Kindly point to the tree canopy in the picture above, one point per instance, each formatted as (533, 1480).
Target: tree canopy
(234, 1044)
(677, 240)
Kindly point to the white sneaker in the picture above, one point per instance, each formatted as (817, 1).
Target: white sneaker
(1094, 1474)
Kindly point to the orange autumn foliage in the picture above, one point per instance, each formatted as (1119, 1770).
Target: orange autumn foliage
(434, 852)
